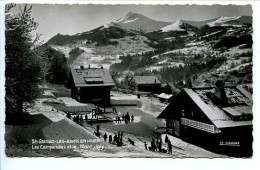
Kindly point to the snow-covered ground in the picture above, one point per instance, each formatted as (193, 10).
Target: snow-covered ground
(195, 44)
(89, 56)
(155, 68)
(189, 50)
(63, 49)
(211, 34)
(40, 108)
(240, 66)
(237, 51)
(223, 21)
(144, 120)
(48, 93)
(166, 65)
(107, 54)
(163, 61)
(189, 149)
(68, 101)
(150, 105)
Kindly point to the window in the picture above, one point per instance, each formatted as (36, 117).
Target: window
(171, 124)
(183, 113)
(93, 80)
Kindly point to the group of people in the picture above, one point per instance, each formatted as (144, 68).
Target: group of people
(157, 145)
(78, 119)
(126, 118)
(95, 110)
(117, 139)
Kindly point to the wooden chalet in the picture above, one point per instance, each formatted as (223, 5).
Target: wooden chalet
(219, 118)
(145, 83)
(91, 85)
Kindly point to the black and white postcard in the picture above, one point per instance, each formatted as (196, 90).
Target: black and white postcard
(128, 81)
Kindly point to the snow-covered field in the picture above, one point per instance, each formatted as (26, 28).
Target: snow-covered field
(48, 111)
(89, 56)
(108, 54)
(68, 101)
(189, 50)
(48, 93)
(195, 44)
(166, 65)
(64, 49)
(237, 51)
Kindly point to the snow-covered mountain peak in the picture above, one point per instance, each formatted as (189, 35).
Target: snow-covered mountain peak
(225, 18)
(138, 22)
(225, 21)
(175, 26)
(179, 22)
(129, 17)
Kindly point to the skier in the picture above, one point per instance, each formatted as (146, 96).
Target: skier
(110, 138)
(98, 127)
(86, 117)
(105, 137)
(169, 147)
(166, 139)
(132, 118)
(145, 145)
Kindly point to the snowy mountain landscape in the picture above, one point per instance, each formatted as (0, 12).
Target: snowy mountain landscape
(156, 46)
(113, 85)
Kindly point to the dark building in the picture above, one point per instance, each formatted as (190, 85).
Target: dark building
(218, 118)
(91, 85)
(145, 83)
(166, 89)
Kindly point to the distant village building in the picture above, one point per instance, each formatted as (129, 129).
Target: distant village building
(145, 83)
(91, 85)
(125, 80)
(165, 97)
(217, 117)
(166, 88)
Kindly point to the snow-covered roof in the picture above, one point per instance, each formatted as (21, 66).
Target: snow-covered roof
(239, 102)
(165, 96)
(87, 77)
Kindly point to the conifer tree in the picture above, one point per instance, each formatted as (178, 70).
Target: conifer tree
(24, 67)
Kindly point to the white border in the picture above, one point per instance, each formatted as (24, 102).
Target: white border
(130, 163)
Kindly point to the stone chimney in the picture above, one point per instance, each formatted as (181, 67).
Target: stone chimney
(220, 92)
(155, 81)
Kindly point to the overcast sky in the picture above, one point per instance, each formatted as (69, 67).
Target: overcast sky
(72, 19)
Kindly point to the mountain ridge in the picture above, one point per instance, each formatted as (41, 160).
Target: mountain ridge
(135, 23)
(138, 22)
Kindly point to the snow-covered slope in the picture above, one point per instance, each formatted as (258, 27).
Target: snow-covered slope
(230, 21)
(138, 22)
(178, 26)
(198, 24)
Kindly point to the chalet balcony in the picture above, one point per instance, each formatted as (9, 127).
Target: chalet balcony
(199, 125)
